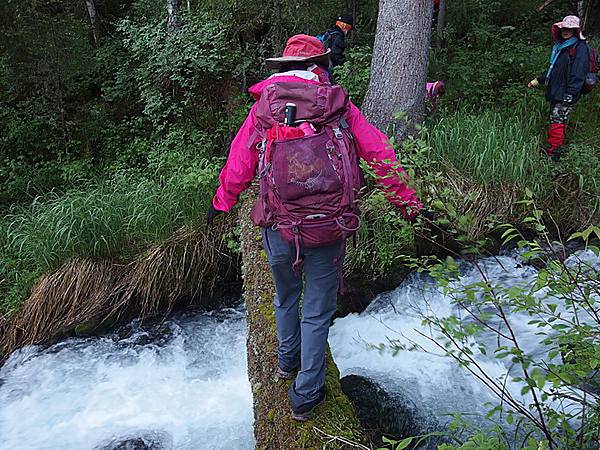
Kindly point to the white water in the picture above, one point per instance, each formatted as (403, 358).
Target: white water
(184, 387)
(435, 383)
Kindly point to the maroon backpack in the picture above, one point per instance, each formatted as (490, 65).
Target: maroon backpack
(591, 80)
(309, 183)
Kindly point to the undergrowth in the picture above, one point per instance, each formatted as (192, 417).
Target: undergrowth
(117, 218)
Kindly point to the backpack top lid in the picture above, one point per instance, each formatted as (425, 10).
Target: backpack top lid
(317, 104)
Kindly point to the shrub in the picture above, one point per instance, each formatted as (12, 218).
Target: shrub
(355, 73)
(558, 405)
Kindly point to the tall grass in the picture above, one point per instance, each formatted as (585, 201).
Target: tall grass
(491, 147)
(114, 219)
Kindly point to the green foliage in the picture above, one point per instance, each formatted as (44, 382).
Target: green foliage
(116, 218)
(556, 408)
(492, 48)
(354, 75)
(491, 147)
(176, 74)
(478, 441)
(583, 163)
(384, 236)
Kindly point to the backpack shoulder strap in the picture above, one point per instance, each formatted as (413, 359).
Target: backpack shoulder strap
(328, 35)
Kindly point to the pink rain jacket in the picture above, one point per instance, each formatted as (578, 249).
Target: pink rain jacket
(372, 145)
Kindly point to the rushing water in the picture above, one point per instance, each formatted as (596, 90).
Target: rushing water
(182, 385)
(434, 383)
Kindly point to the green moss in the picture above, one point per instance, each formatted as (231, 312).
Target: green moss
(86, 329)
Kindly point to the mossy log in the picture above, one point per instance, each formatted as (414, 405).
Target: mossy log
(335, 424)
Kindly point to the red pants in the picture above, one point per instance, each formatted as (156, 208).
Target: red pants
(559, 115)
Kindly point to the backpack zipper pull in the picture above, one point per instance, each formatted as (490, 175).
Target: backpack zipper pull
(337, 133)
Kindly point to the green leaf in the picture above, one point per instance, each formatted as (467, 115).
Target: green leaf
(404, 443)
(387, 440)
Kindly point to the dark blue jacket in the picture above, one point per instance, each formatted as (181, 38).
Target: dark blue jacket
(568, 74)
(336, 41)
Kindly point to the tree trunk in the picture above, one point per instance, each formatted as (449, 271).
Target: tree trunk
(441, 22)
(173, 9)
(273, 425)
(91, 9)
(399, 67)
(279, 37)
(581, 9)
(592, 17)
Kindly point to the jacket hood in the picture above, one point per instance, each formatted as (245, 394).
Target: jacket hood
(257, 89)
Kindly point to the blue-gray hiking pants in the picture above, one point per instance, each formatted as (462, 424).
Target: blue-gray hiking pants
(302, 342)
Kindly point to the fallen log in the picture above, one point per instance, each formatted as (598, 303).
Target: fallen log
(335, 424)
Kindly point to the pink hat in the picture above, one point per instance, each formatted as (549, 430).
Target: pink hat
(568, 22)
(301, 48)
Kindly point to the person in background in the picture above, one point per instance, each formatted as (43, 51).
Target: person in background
(307, 206)
(335, 39)
(434, 90)
(564, 79)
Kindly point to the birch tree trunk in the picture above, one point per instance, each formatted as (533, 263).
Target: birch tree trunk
(399, 66)
(173, 10)
(91, 9)
(441, 23)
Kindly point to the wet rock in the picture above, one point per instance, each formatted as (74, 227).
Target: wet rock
(131, 444)
(361, 289)
(138, 333)
(149, 441)
(391, 414)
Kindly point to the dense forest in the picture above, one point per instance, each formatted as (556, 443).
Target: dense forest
(116, 117)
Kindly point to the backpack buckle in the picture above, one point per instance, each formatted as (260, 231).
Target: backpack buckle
(261, 145)
(264, 171)
(337, 133)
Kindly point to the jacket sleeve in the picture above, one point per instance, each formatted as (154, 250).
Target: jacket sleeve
(241, 165)
(374, 147)
(579, 70)
(542, 78)
(337, 46)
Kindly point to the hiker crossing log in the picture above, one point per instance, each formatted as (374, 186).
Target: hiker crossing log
(334, 424)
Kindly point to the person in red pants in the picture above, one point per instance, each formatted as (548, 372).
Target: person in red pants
(564, 79)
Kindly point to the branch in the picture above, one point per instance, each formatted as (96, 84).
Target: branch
(546, 3)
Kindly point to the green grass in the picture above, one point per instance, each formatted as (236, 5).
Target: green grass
(117, 219)
(492, 147)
